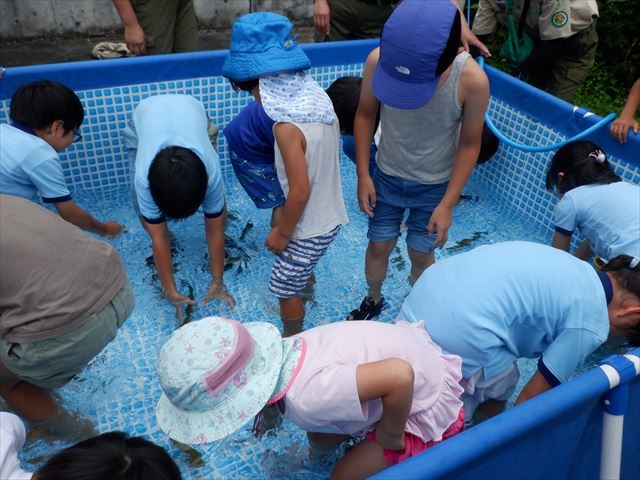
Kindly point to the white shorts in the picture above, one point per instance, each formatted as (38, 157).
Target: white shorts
(477, 391)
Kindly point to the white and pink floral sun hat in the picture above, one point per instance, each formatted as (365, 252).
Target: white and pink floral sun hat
(216, 375)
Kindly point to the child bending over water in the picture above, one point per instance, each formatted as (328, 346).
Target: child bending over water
(387, 384)
(595, 201)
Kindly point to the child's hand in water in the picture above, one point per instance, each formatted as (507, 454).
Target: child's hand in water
(178, 300)
(268, 420)
(112, 229)
(217, 291)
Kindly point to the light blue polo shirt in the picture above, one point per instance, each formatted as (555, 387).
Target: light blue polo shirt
(608, 215)
(30, 166)
(504, 301)
(172, 120)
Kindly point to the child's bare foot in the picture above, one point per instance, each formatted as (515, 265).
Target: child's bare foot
(63, 426)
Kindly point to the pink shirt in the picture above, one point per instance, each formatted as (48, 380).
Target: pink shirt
(323, 397)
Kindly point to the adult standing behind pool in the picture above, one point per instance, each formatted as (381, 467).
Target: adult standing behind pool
(350, 19)
(158, 26)
(500, 302)
(63, 296)
(361, 19)
(174, 171)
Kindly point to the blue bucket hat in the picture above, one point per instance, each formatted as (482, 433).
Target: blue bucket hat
(261, 44)
(413, 40)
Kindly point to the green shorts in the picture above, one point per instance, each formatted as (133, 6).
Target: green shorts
(53, 362)
(357, 19)
(170, 26)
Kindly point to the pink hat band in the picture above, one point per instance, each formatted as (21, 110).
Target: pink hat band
(233, 362)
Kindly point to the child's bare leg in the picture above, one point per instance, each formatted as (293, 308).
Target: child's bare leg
(489, 409)
(34, 404)
(324, 443)
(419, 263)
(376, 266)
(362, 461)
(40, 408)
(307, 292)
(292, 315)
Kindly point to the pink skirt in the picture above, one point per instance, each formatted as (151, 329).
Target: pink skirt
(414, 445)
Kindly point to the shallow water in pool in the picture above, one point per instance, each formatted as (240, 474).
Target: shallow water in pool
(119, 389)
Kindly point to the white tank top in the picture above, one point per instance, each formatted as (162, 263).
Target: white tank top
(325, 208)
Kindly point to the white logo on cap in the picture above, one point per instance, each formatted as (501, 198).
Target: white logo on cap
(403, 70)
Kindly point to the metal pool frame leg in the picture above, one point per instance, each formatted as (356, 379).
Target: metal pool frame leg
(620, 370)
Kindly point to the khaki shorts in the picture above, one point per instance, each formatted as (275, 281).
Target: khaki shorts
(53, 362)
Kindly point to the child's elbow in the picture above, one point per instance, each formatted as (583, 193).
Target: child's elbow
(404, 373)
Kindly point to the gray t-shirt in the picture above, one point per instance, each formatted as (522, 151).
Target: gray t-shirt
(53, 276)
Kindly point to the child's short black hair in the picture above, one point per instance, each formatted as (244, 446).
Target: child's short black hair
(108, 456)
(581, 163)
(628, 277)
(41, 103)
(488, 146)
(245, 85)
(178, 181)
(450, 51)
(344, 93)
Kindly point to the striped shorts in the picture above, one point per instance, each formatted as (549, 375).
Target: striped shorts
(293, 267)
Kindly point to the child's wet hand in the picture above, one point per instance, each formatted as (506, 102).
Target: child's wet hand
(217, 291)
(112, 229)
(178, 300)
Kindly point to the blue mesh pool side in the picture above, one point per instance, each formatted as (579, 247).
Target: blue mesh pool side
(97, 172)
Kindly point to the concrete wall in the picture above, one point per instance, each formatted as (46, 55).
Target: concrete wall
(21, 19)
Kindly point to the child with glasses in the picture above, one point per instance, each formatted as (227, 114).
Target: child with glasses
(45, 117)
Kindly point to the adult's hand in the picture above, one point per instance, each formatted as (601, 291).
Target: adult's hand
(322, 17)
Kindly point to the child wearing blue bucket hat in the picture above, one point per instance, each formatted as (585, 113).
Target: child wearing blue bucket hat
(265, 60)
(387, 384)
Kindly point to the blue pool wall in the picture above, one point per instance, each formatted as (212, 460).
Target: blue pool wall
(556, 435)
(110, 89)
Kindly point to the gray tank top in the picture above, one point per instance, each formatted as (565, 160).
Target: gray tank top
(420, 144)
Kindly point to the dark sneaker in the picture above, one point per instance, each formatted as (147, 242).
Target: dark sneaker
(367, 310)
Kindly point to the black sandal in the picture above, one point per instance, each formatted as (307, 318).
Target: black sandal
(367, 310)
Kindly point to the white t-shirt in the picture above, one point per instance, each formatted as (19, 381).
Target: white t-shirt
(12, 437)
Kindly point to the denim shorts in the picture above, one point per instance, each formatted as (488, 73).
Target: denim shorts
(394, 196)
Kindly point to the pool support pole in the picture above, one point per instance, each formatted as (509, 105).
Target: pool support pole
(620, 370)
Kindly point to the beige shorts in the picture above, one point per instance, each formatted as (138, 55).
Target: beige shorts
(51, 363)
